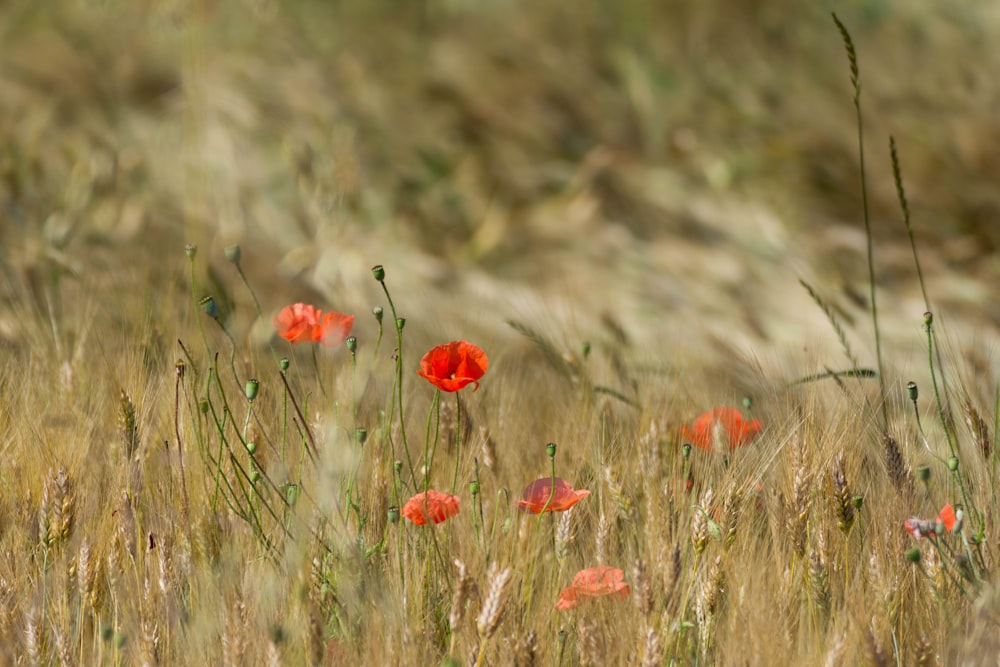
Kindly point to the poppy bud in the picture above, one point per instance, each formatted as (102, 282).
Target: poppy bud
(233, 253)
(107, 632)
(747, 402)
(283, 364)
(400, 323)
(550, 449)
(190, 250)
(292, 494)
(474, 488)
(251, 388)
(959, 518)
(377, 312)
(586, 350)
(913, 555)
(953, 464)
(686, 451)
(858, 502)
(352, 344)
(397, 466)
(119, 640)
(361, 434)
(207, 305)
(203, 406)
(378, 272)
(254, 476)
(911, 390)
(924, 473)
(928, 318)
(939, 527)
(393, 514)
(252, 448)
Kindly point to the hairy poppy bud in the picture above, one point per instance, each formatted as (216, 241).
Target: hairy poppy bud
(953, 464)
(361, 434)
(233, 253)
(924, 473)
(686, 451)
(252, 447)
(207, 305)
(586, 350)
(911, 390)
(400, 323)
(352, 344)
(474, 488)
(393, 514)
(251, 389)
(292, 494)
(190, 250)
(397, 466)
(858, 502)
(378, 272)
(928, 318)
(254, 477)
(550, 449)
(913, 555)
(377, 312)
(283, 364)
(203, 406)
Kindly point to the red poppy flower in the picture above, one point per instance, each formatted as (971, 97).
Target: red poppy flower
(432, 505)
(724, 425)
(451, 366)
(594, 582)
(537, 493)
(947, 520)
(302, 323)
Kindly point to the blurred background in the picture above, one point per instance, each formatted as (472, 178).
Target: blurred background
(655, 174)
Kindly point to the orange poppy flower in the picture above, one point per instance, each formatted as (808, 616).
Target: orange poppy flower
(947, 520)
(537, 493)
(451, 366)
(432, 505)
(302, 323)
(594, 582)
(723, 425)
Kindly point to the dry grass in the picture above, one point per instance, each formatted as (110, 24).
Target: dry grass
(651, 179)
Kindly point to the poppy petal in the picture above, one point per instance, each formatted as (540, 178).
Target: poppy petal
(594, 582)
(433, 505)
(454, 365)
(536, 495)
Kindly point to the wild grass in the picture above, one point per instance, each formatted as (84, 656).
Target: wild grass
(183, 487)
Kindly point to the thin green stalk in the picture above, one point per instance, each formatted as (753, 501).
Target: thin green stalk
(904, 206)
(458, 442)
(856, 83)
(528, 584)
(435, 412)
(379, 274)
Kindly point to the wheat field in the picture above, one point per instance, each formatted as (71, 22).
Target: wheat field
(716, 394)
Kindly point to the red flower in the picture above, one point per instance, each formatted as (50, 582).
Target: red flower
(537, 493)
(302, 323)
(432, 505)
(947, 520)
(451, 366)
(724, 425)
(594, 582)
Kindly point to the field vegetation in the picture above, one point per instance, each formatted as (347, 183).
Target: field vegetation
(499, 333)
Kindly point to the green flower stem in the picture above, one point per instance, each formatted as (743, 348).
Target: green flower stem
(435, 413)
(458, 442)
